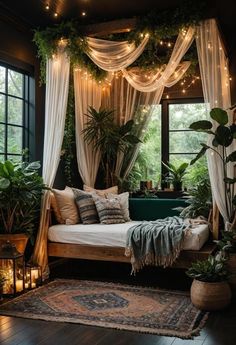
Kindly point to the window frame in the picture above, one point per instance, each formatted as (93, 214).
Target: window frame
(25, 98)
(165, 128)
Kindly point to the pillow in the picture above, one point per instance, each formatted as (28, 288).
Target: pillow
(101, 192)
(123, 200)
(66, 204)
(86, 205)
(109, 210)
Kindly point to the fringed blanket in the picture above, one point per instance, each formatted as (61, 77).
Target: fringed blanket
(156, 242)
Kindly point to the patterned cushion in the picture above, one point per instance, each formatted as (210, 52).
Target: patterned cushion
(109, 210)
(65, 201)
(101, 192)
(87, 209)
(123, 200)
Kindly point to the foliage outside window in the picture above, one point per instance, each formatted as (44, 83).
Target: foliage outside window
(178, 144)
(14, 112)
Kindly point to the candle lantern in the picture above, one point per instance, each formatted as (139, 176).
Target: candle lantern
(12, 266)
(33, 276)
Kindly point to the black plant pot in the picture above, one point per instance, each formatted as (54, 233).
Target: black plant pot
(177, 186)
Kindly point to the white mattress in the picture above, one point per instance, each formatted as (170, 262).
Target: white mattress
(115, 235)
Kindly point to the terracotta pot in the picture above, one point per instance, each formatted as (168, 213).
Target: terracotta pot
(210, 296)
(231, 263)
(20, 240)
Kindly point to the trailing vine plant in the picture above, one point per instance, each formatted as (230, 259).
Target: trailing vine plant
(69, 136)
(161, 26)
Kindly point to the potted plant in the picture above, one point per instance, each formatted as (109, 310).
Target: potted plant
(210, 289)
(199, 201)
(176, 174)
(109, 138)
(228, 244)
(21, 188)
(222, 137)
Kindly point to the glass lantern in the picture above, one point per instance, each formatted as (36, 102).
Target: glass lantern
(33, 276)
(12, 266)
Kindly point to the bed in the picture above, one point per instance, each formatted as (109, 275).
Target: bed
(107, 242)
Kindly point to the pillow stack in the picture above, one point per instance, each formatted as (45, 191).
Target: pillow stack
(89, 206)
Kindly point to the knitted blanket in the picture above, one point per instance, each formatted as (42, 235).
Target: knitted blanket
(156, 242)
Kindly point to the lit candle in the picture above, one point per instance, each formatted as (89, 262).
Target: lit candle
(35, 274)
(33, 285)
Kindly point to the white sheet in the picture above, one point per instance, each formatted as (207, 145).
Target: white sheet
(115, 235)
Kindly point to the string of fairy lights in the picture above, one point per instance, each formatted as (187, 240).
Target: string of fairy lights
(55, 13)
(185, 84)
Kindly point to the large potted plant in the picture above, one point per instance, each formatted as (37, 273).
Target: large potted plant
(222, 137)
(21, 188)
(210, 289)
(109, 138)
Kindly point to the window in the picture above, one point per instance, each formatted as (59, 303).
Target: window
(169, 139)
(14, 113)
(179, 142)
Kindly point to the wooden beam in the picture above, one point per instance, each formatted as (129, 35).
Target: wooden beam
(107, 28)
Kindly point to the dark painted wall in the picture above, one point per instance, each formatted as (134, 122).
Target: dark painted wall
(18, 50)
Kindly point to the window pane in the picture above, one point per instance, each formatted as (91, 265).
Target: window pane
(2, 108)
(2, 158)
(15, 83)
(186, 141)
(2, 79)
(2, 138)
(182, 115)
(14, 139)
(14, 158)
(15, 110)
(148, 163)
(179, 159)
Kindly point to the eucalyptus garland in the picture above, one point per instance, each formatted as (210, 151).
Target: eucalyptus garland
(161, 26)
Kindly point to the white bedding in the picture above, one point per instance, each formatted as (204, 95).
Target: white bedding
(114, 235)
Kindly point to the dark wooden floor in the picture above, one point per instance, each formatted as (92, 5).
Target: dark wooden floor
(220, 328)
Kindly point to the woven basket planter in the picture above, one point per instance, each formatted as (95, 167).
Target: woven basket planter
(210, 296)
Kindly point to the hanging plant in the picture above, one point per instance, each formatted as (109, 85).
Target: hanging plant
(161, 26)
(69, 136)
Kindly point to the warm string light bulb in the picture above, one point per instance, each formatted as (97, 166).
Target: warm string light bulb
(83, 14)
(185, 86)
(47, 8)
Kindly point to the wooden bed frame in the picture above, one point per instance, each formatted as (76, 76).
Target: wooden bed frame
(89, 252)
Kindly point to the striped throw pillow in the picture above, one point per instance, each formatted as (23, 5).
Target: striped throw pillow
(87, 209)
(109, 210)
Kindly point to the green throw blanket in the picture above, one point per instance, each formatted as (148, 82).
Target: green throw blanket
(157, 242)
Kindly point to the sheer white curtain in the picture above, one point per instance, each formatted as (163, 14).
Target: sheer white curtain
(216, 90)
(88, 93)
(57, 84)
(169, 74)
(113, 56)
(131, 98)
(128, 103)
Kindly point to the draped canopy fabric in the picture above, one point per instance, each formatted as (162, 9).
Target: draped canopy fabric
(215, 82)
(57, 85)
(113, 56)
(143, 90)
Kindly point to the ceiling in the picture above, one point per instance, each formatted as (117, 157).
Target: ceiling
(34, 13)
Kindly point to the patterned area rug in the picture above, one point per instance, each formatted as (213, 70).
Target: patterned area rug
(125, 307)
